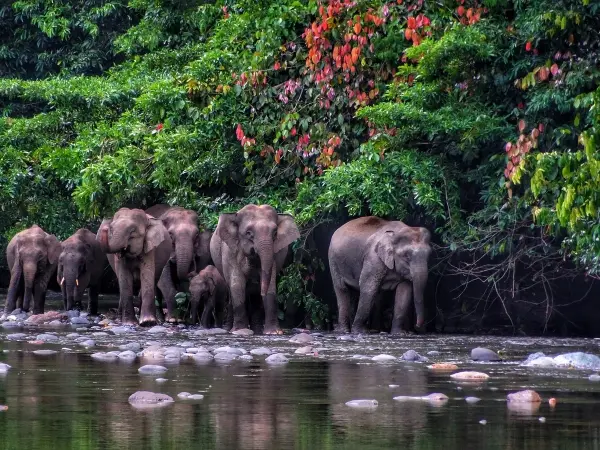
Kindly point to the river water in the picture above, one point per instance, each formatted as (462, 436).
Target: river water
(70, 401)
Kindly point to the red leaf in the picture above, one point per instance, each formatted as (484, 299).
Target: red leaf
(357, 28)
(541, 127)
(528, 46)
(408, 34)
(535, 133)
(412, 23)
(426, 21)
(276, 66)
(460, 11)
(554, 69)
(521, 125)
(508, 146)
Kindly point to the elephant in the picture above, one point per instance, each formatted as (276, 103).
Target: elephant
(209, 286)
(32, 256)
(139, 247)
(370, 255)
(80, 267)
(190, 252)
(249, 248)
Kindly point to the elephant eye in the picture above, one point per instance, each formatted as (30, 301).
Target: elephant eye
(249, 234)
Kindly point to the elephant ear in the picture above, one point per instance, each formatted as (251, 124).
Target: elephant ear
(156, 233)
(202, 244)
(102, 235)
(385, 250)
(425, 235)
(211, 285)
(54, 248)
(287, 232)
(227, 229)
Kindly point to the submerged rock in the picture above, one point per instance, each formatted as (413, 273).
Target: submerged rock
(44, 352)
(188, 396)
(302, 338)
(304, 350)
(49, 316)
(533, 357)
(88, 343)
(436, 398)
(261, 351)
(209, 331)
(225, 357)
(121, 330)
(277, 358)
(413, 356)
(527, 396)
(133, 346)
(472, 400)
(161, 380)
(543, 361)
(146, 399)
(470, 376)
(47, 337)
(594, 377)
(152, 369)
(579, 360)
(383, 358)
(127, 355)
(104, 357)
(363, 404)
(202, 357)
(443, 367)
(243, 332)
(77, 320)
(484, 354)
(4, 368)
(16, 336)
(158, 329)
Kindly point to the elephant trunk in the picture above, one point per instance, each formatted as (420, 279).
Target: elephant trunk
(184, 257)
(29, 272)
(118, 242)
(265, 253)
(70, 282)
(419, 281)
(194, 303)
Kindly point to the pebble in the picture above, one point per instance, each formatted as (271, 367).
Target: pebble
(146, 399)
(72, 313)
(72, 335)
(243, 332)
(483, 422)
(413, 356)
(127, 355)
(210, 331)
(133, 346)
(246, 358)
(542, 419)
(188, 396)
(203, 357)
(158, 329)
(304, 350)
(472, 400)
(594, 377)
(44, 352)
(55, 323)
(183, 395)
(469, 376)
(484, 354)
(277, 358)
(152, 369)
(4, 367)
(120, 330)
(393, 386)
(261, 351)
(225, 357)
(362, 404)
(11, 325)
(383, 358)
(302, 338)
(47, 337)
(526, 396)
(433, 353)
(234, 350)
(79, 320)
(443, 366)
(88, 343)
(16, 336)
(161, 380)
(104, 357)
(100, 333)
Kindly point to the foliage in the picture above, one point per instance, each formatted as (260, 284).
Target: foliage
(475, 118)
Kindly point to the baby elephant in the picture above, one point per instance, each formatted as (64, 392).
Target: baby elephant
(210, 287)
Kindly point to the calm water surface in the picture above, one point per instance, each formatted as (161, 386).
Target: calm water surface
(70, 401)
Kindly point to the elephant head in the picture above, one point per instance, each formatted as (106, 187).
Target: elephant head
(258, 231)
(406, 251)
(182, 226)
(74, 264)
(131, 232)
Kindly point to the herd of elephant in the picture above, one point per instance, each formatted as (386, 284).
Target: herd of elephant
(231, 274)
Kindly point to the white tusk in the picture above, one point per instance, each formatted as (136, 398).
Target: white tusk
(62, 281)
(77, 281)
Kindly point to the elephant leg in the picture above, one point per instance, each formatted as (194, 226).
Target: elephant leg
(270, 305)
(147, 291)
(256, 311)
(369, 287)
(167, 288)
(238, 300)
(125, 278)
(160, 314)
(207, 313)
(93, 300)
(40, 287)
(15, 287)
(401, 304)
(344, 300)
(229, 317)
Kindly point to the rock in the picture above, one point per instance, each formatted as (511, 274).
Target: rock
(104, 357)
(100, 333)
(594, 377)
(39, 319)
(261, 351)
(47, 337)
(4, 368)
(483, 421)
(152, 369)
(579, 360)
(183, 395)
(203, 357)
(394, 386)
(133, 346)
(246, 358)
(146, 399)
(225, 357)
(56, 323)
(243, 332)
(472, 400)
(88, 343)
(434, 399)
(527, 396)
(73, 335)
(161, 380)
(362, 404)
(277, 358)
(8, 325)
(158, 329)
(188, 396)
(210, 331)
(383, 358)
(413, 356)
(16, 312)
(16, 336)
(441, 367)
(302, 338)
(362, 357)
(79, 320)
(44, 352)
(469, 376)
(304, 350)
(542, 419)
(191, 350)
(72, 313)
(543, 361)
(484, 354)
(433, 353)
(127, 355)
(234, 350)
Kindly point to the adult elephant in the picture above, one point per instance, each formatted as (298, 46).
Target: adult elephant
(32, 258)
(80, 267)
(371, 255)
(190, 251)
(139, 246)
(250, 246)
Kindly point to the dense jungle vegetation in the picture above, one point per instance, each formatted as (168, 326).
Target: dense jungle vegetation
(476, 119)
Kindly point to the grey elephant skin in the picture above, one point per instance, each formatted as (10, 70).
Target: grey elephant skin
(32, 257)
(209, 289)
(80, 267)
(249, 248)
(138, 248)
(370, 255)
(190, 252)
